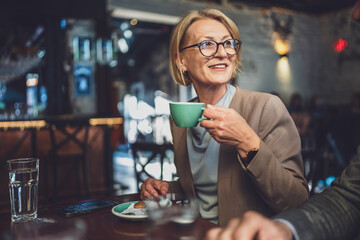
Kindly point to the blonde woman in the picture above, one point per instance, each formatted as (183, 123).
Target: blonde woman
(247, 157)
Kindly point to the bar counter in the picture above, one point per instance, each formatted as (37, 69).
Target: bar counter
(62, 143)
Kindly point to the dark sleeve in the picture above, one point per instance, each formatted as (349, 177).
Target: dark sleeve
(332, 214)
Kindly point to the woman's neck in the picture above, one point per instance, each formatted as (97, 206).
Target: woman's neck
(210, 94)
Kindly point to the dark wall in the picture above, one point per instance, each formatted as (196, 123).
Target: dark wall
(18, 22)
(95, 9)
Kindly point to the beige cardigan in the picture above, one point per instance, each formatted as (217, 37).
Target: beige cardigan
(272, 182)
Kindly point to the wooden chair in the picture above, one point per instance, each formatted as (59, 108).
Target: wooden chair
(145, 153)
(77, 137)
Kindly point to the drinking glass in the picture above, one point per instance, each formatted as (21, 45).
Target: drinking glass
(181, 212)
(23, 188)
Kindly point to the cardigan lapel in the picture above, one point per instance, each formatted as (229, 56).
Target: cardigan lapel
(182, 161)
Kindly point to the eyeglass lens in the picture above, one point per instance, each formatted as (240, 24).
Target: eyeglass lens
(210, 47)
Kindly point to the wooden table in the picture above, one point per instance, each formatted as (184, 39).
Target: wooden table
(101, 224)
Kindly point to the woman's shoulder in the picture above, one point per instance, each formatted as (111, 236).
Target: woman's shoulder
(250, 103)
(254, 96)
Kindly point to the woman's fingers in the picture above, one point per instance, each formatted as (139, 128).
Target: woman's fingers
(152, 187)
(228, 127)
(213, 112)
(164, 188)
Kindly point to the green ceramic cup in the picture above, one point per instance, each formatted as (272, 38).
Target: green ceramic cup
(186, 114)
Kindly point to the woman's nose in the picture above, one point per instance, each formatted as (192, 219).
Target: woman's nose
(221, 51)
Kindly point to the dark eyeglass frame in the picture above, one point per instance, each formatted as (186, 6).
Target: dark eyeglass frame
(237, 42)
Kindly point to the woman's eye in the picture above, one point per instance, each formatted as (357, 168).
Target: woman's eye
(207, 44)
(229, 43)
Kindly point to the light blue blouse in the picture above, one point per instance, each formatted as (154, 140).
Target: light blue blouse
(204, 156)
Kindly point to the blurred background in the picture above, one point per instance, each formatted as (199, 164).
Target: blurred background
(110, 59)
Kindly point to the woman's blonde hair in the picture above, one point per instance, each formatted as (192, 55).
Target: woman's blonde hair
(178, 38)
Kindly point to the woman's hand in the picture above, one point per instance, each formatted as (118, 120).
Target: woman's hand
(153, 188)
(228, 127)
(251, 226)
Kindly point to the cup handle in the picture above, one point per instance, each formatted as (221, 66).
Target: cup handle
(203, 118)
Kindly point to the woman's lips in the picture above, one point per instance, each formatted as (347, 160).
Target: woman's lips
(218, 66)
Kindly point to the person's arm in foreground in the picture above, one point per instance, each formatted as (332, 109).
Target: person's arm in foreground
(333, 214)
(251, 226)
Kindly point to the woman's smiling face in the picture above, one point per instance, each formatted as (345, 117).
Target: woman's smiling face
(203, 70)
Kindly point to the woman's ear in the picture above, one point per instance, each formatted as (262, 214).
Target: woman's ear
(180, 62)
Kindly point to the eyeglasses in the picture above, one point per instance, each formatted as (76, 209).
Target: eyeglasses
(209, 48)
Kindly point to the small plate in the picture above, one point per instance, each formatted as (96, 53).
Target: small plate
(118, 209)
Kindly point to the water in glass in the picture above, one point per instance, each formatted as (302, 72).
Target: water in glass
(23, 187)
